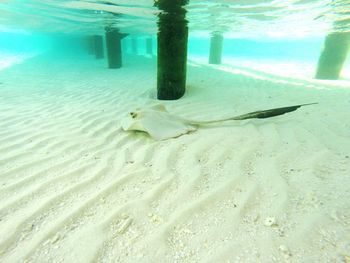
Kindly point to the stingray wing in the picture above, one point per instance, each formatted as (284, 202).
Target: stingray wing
(157, 122)
(164, 126)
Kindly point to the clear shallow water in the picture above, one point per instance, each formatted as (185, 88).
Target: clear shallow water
(68, 172)
(265, 30)
(238, 18)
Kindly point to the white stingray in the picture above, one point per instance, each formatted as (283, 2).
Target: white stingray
(161, 125)
(157, 122)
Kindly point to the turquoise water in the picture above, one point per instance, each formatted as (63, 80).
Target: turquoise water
(77, 186)
(253, 29)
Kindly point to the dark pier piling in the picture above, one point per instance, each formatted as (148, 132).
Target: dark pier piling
(114, 47)
(172, 49)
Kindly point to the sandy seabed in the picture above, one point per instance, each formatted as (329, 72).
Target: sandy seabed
(74, 187)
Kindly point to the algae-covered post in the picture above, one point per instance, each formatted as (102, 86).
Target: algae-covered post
(172, 49)
(114, 47)
(333, 56)
(215, 53)
(98, 43)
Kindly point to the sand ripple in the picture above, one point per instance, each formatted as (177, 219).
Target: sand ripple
(75, 187)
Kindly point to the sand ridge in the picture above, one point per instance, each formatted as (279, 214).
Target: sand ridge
(75, 188)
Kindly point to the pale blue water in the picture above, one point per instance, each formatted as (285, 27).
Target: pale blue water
(302, 48)
(281, 30)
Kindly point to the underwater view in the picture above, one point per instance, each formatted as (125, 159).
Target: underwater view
(174, 131)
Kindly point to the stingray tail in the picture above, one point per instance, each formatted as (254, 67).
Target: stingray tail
(253, 115)
(269, 113)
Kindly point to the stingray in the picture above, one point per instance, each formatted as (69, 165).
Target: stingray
(158, 123)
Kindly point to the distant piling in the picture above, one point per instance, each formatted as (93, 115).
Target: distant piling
(172, 49)
(134, 45)
(98, 43)
(149, 46)
(216, 43)
(333, 56)
(114, 47)
(90, 45)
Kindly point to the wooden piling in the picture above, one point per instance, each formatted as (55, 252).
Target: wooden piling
(172, 49)
(114, 47)
(216, 43)
(333, 56)
(98, 43)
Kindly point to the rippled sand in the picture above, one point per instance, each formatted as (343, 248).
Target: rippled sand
(75, 188)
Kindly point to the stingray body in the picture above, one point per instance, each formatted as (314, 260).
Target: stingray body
(161, 125)
(157, 122)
